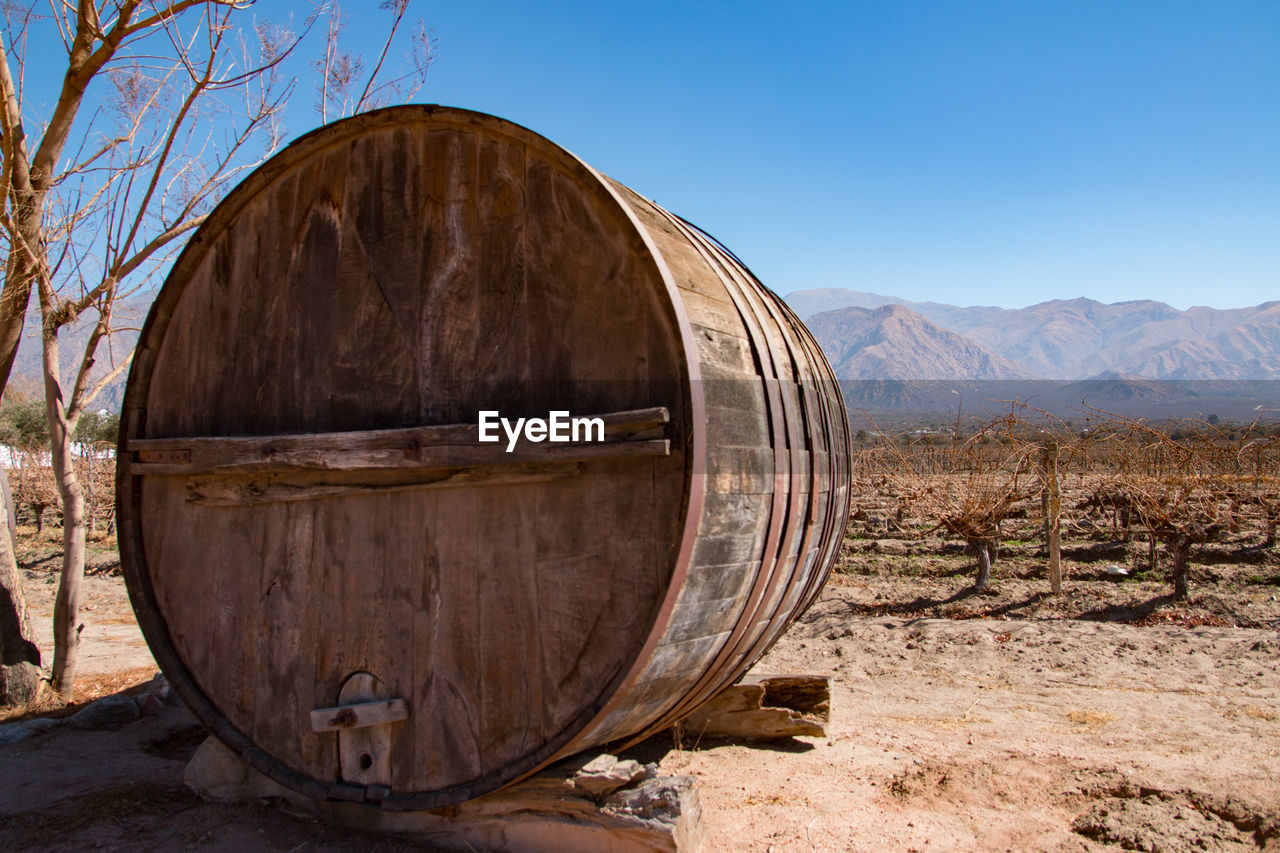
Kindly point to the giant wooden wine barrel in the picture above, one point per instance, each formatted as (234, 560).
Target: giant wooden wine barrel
(366, 601)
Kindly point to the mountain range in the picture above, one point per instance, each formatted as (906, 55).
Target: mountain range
(1075, 349)
(870, 336)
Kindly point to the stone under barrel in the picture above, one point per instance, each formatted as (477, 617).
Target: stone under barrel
(360, 597)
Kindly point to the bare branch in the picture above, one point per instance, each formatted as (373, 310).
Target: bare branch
(127, 267)
(106, 380)
(398, 8)
(173, 9)
(17, 163)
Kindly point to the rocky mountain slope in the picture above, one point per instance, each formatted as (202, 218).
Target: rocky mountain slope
(894, 342)
(28, 372)
(873, 337)
(1061, 339)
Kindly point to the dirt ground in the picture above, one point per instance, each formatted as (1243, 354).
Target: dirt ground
(1107, 718)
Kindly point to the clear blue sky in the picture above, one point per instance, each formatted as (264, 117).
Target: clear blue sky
(968, 152)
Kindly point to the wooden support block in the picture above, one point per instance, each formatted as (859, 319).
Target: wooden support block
(764, 707)
(587, 803)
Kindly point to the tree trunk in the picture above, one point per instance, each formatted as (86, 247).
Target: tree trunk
(1181, 551)
(985, 551)
(1151, 552)
(66, 607)
(19, 658)
(27, 255)
(19, 276)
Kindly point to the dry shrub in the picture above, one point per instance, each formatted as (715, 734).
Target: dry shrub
(1180, 484)
(969, 488)
(33, 486)
(1183, 491)
(35, 491)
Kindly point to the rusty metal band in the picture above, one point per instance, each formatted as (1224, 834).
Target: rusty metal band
(836, 424)
(720, 671)
(818, 569)
(751, 292)
(798, 512)
(836, 430)
(773, 413)
(822, 410)
(695, 488)
(839, 456)
(713, 674)
(802, 572)
(833, 434)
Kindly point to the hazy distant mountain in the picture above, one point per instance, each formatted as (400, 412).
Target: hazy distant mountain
(806, 303)
(894, 342)
(1080, 338)
(27, 371)
(871, 336)
(900, 402)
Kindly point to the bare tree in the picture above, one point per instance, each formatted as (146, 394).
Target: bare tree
(989, 477)
(1260, 457)
(1179, 490)
(188, 95)
(150, 166)
(341, 73)
(34, 489)
(30, 173)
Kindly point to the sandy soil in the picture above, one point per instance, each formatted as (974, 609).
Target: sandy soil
(110, 644)
(991, 734)
(1109, 718)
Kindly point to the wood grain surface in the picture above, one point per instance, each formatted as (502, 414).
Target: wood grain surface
(302, 496)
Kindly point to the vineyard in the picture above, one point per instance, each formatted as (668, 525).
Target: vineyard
(24, 451)
(1179, 521)
(35, 493)
(1020, 719)
(1148, 508)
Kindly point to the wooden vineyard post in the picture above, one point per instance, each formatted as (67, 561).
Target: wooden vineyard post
(1051, 500)
(1044, 508)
